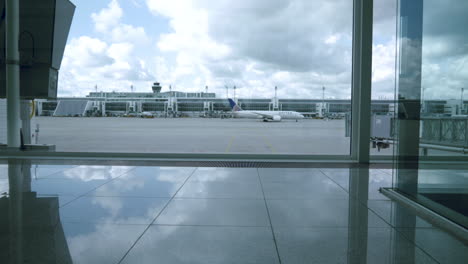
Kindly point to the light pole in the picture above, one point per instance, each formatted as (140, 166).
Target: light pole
(462, 106)
(235, 92)
(275, 106)
(423, 108)
(323, 100)
(276, 93)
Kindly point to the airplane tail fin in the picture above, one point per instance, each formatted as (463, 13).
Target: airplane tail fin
(234, 106)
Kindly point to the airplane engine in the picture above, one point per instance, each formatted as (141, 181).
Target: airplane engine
(276, 118)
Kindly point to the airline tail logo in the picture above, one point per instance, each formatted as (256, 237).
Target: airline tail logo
(234, 106)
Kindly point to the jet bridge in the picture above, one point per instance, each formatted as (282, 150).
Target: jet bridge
(71, 108)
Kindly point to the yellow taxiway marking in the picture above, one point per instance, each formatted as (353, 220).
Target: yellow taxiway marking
(269, 145)
(228, 148)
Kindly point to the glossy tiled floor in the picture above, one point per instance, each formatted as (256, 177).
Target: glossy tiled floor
(126, 214)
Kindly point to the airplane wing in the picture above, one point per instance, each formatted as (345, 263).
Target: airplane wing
(263, 115)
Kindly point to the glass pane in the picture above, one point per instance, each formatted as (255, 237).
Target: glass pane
(431, 120)
(383, 77)
(155, 77)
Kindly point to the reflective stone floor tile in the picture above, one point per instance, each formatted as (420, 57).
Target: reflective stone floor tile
(204, 245)
(90, 243)
(88, 173)
(344, 245)
(225, 175)
(144, 182)
(49, 171)
(62, 199)
(377, 179)
(221, 189)
(397, 215)
(311, 189)
(288, 170)
(119, 210)
(335, 172)
(138, 186)
(317, 213)
(291, 175)
(169, 174)
(74, 187)
(442, 246)
(228, 212)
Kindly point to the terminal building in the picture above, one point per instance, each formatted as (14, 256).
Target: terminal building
(204, 104)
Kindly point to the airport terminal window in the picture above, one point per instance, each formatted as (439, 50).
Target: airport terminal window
(444, 112)
(383, 78)
(129, 103)
(281, 85)
(442, 85)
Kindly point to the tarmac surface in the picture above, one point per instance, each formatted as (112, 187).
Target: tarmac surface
(195, 135)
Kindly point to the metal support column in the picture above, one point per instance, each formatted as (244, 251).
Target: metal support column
(362, 80)
(13, 74)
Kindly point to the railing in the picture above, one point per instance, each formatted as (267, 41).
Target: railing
(446, 131)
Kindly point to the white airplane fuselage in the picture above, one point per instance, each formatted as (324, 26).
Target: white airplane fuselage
(262, 114)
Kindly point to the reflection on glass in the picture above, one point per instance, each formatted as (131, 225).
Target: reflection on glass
(444, 70)
(433, 48)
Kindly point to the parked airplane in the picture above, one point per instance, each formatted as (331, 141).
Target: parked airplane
(274, 116)
(147, 115)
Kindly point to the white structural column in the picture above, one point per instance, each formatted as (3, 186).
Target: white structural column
(13, 73)
(362, 80)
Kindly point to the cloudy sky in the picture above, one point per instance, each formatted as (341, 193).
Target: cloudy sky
(297, 45)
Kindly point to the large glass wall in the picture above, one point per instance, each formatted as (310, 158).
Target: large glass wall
(383, 77)
(155, 77)
(431, 116)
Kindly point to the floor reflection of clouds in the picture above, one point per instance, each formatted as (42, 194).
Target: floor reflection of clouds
(116, 187)
(89, 173)
(135, 185)
(117, 210)
(112, 206)
(100, 243)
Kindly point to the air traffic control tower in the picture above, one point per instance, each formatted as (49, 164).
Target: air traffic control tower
(156, 88)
